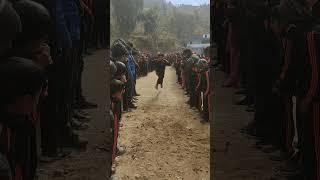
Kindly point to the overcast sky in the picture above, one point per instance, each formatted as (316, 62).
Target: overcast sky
(192, 2)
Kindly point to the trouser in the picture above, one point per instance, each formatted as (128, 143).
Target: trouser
(234, 63)
(48, 125)
(87, 31)
(129, 91)
(193, 93)
(79, 65)
(288, 130)
(205, 103)
(66, 76)
(118, 109)
(276, 121)
(310, 140)
(49, 108)
(115, 136)
(125, 103)
(160, 77)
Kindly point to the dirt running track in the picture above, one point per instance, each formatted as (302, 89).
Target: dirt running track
(164, 138)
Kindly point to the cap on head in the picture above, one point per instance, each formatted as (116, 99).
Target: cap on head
(118, 50)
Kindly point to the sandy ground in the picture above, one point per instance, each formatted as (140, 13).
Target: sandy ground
(93, 163)
(164, 138)
(235, 156)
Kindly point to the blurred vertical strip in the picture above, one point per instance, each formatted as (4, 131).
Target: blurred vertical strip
(211, 79)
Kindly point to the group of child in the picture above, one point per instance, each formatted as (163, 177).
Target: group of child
(271, 50)
(193, 75)
(41, 62)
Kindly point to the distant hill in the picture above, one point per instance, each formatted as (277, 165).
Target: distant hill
(203, 10)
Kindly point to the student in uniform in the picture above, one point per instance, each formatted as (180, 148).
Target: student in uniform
(116, 89)
(32, 43)
(22, 82)
(161, 64)
(11, 20)
(203, 86)
(193, 81)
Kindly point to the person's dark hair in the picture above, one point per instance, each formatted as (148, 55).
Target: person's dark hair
(35, 19)
(10, 25)
(118, 50)
(187, 52)
(19, 77)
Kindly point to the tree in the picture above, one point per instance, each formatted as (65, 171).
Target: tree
(150, 18)
(182, 25)
(126, 14)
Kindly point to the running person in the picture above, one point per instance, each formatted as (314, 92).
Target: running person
(161, 64)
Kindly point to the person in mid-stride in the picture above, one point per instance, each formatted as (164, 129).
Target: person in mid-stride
(161, 64)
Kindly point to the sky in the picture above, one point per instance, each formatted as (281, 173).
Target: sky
(191, 2)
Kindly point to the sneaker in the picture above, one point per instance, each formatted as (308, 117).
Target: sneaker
(75, 141)
(241, 92)
(85, 105)
(75, 124)
(84, 113)
(242, 102)
(132, 106)
(250, 109)
(120, 150)
(81, 117)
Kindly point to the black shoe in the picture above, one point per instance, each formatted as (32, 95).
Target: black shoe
(75, 124)
(82, 112)
(132, 106)
(241, 92)
(250, 109)
(80, 117)
(74, 141)
(137, 94)
(50, 157)
(280, 157)
(88, 53)
(85, 105)
(242, 102)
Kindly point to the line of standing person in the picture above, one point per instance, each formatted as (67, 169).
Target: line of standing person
(193, 75)
(272, 51)
(41, 55)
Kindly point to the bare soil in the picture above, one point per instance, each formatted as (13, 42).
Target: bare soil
(163, 138)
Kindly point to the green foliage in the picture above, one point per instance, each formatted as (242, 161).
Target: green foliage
(155, 25)
(182, 25)
(150, 18)
(126, 14)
